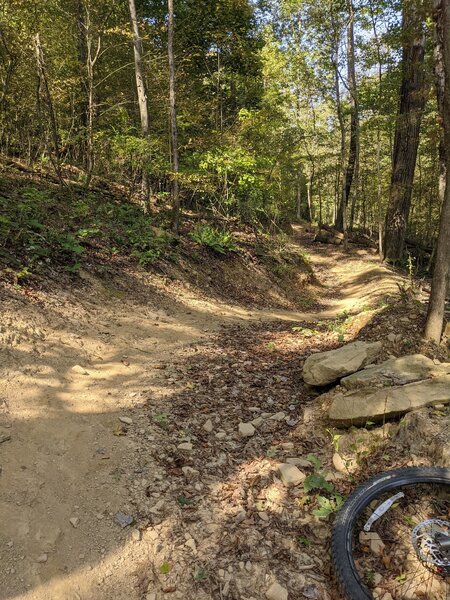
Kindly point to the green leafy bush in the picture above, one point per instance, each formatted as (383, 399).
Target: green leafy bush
(219, 241)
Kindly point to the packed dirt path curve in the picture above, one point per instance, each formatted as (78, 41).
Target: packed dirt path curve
(72, 364)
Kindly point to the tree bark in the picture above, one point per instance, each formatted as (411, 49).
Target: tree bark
(407, 130)
(92, 54)
(379, 106)
(436, 308)
(55, 156)
(141, 93)
(351, 174)
(173, 123)
(341, 220)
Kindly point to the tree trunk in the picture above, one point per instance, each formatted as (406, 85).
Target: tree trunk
(55, 156)
(351, 174)
(92, 54)
(142, 95)
(173, 124)
(407, 129)
(379, 107)
(436, 308)
(299, 194)
(340, 221)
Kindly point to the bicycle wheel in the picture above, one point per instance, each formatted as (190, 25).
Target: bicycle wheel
(391, 540)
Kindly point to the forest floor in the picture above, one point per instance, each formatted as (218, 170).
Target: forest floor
(120, 405)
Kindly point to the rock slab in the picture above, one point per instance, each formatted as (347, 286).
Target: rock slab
(396, 371)
(361, 406)
(290, 474)
(325, 367)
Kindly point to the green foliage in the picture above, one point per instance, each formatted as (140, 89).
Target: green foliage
(200, 574)
(317, 481)
(39, 227)
(218, 240)
(165, 568)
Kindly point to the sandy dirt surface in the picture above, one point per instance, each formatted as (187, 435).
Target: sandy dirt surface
(73, 363)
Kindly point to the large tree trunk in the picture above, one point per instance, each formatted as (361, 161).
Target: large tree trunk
(436, 308)
(141, 93)
(351, 173)
(173, 124)
(407, 129)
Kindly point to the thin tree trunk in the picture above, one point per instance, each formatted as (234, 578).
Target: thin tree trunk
(55, 156)
(340, 221)
(436, 308)
(92, 54)
(351, 174)
(299, 194)
(412, 102)
(81, 105)
(142, 95)
(379, 105)
(173, 123)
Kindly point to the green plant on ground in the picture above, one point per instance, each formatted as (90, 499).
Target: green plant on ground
(305, 331)
(200, 574)
(161, 419)
(328, 504)
(220, 241)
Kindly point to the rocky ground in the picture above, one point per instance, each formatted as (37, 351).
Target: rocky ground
(155, 444)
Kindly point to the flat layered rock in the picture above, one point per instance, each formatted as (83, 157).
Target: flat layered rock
(396, 371)
(361, 406)
(325, 367)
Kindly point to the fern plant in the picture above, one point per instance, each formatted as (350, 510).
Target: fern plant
(221, 242)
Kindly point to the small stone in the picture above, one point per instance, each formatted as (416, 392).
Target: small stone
(42, 558)
(126, 420)
(208, 426)
(391, 337)
(189, 472)
(136, 535)
(339, 464)
(377, 578)
(192, 545)
(221, 435)
(374, 541)
(279, 416)
(246, 430)
(263, 516)
(186, 446)
(79, 370)
(277, 592)
(74, 521)
(123, 520)
(150, 596)
(387, 596)
(241, 516)
(287, 445)
(290, 474)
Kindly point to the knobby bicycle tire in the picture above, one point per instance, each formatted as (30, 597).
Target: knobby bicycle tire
(348, 579)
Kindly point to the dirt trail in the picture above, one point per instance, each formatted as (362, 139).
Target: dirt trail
(66, 469)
